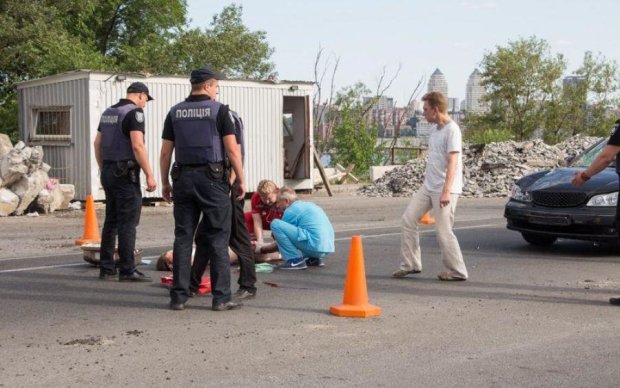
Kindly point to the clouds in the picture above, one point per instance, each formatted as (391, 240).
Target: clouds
(479, 5)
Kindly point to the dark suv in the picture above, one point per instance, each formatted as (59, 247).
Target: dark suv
(545, 206)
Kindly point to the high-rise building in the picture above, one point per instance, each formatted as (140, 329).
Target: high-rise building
(573, 81)
(453, 105)
(382, 102)
(438, 83)
(474, 93)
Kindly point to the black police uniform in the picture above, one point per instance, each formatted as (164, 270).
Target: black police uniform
(200, 185)
(120, 178)
(240, 241)
(615, 141)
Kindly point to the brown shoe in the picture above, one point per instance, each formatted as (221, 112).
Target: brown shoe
(614, 301)
(401, 273)
(447, 276)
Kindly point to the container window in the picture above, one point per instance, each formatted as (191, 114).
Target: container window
(52, 123)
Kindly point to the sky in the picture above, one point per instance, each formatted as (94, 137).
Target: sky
(418, 36)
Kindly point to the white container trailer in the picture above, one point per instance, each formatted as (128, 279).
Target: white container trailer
(62, 112)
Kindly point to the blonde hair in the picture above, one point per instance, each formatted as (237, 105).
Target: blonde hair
(266, 187)
(436, 100)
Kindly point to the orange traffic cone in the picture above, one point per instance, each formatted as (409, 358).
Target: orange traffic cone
(427, 219)
(91, 227)
(355, 301)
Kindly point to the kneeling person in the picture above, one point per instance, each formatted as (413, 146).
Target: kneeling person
(304, 235)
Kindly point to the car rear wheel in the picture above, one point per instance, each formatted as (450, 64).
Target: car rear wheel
(538, 239)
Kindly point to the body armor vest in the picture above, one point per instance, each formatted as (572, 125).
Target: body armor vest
(196, 138)
(240, 129)
(115, 145)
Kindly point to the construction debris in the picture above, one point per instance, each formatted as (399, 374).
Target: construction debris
(488, 170)
(24, 181)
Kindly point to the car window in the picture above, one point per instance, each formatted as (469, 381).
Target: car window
(585, 159)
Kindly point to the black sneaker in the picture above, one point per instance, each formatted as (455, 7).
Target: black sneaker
(177, 306)
(107, 275)
(226, 306)
(614, 301)
(135, 276)
(315, 262)
(242, 294)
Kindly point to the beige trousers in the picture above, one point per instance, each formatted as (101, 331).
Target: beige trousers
(451, 255)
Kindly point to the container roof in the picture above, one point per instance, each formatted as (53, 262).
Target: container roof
(86, 73)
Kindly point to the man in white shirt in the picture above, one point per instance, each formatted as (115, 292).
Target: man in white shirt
(443, 182)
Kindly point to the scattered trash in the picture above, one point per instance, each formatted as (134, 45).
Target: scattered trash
(33, 214)
(77, 205)
(204, 288)
(264, 268)
(146, 262)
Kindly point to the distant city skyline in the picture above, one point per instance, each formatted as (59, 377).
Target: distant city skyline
(451, 35)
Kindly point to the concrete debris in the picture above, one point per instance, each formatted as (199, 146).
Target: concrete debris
(8, 202)
(5, 145)
(24, 182)
(77, 205)
(488, 170)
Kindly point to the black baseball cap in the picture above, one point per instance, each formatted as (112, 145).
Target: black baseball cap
(139, 87)
(204, 74)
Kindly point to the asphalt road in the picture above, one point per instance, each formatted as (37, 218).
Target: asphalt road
(526, 317)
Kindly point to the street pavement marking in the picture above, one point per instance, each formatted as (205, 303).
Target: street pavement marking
(338, 239)
(421, 232)
(42, 267)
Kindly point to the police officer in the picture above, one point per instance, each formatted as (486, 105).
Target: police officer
(607, 155)
(201, 133)
(120, 154)
(240, 241)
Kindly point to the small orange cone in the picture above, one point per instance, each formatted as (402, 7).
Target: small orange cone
(355, 300)
(91, 227)
(427, 219)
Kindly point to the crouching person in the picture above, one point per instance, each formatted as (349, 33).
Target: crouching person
(304, 235)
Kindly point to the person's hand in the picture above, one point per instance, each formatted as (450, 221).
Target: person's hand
(580, 178)
(241, 191)
(444, 199)
(167, 192)
(151, 183)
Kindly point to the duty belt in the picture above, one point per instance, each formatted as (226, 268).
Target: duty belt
(201, 167)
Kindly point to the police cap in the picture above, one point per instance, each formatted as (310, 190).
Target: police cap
(204, 74)
(139, 87)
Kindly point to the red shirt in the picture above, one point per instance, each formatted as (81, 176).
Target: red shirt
(267, 213)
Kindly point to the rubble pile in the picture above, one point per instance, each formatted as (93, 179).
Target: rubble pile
(24, 183)
(488, 170)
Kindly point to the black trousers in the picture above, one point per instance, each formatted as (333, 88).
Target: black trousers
(196, 193)
(122, 216)
(241, 243)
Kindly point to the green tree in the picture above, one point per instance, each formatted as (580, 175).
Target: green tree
(43, 37)
(580, 104)
(520, 80)
(226, 44)
(355, 140)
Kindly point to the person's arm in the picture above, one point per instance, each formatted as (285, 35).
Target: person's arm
(269, 248)
(258, 227)
(98, 152)
(453, 159)
(139, 151)
(234, 155)
(602, 160)
(165, 157)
